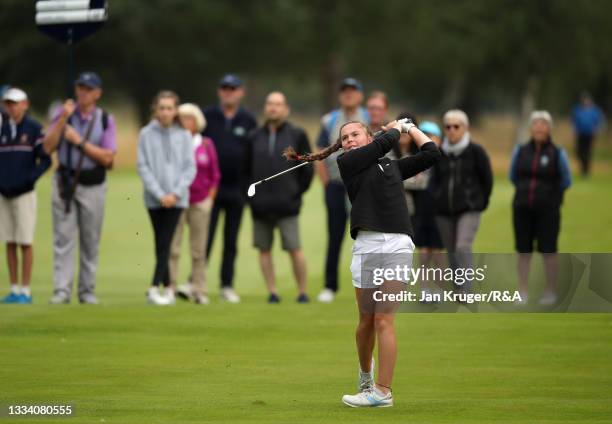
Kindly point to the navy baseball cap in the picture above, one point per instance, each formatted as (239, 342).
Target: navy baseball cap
(90, 79)
(230, 80)
(351, 83)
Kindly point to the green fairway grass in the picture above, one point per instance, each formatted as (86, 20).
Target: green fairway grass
(126, 362)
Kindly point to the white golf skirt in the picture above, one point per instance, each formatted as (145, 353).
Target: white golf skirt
(380, 256)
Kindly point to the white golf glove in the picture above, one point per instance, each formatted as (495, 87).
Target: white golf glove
(406, 125)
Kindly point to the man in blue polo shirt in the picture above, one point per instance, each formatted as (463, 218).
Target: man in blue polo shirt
(350, 97)
(22, 161)
(228, 127)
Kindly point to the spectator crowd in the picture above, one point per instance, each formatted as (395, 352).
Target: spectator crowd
(196, 164)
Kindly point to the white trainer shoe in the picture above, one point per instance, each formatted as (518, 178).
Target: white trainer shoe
(326, 296)
(89, 299)
(185, 291)
(59, 298)
(366, 379)
(155, 298)
(202, 299)
(228, 294)
(369, 398)
(548, 299)
(169, 295)
(523, 301)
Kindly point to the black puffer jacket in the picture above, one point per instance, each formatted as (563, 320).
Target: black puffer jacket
(462, 183)
(282, 196)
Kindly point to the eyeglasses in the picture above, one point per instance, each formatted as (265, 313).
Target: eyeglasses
(455, 126)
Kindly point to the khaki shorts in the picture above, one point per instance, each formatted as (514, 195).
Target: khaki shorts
(18, 218)
(263, 233)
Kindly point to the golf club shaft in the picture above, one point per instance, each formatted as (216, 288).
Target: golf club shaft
(283, 172)
(305, 163)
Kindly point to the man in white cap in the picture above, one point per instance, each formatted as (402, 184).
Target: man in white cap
(23, 160)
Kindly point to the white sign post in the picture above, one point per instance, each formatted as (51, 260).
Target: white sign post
(69, 21)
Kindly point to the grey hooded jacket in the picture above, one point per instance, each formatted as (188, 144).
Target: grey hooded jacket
(166, 163)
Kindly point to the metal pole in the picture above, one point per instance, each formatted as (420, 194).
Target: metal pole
(70, 70)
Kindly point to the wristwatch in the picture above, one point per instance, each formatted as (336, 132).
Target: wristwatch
(81, 145)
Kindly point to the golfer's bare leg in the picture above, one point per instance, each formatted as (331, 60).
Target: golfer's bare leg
(365, 335)
(298, 261)
(384, 319)
(387, 349)
(267, 269)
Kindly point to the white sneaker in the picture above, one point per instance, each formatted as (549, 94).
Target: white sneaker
(326, 296)
(169, 295)
(228, 294)
(155, 298)
(89, 299)
(202, 300)
(185, 291)
(549, 299)
(368, 398)
(524, 300)
(366, 379)
(59, 298)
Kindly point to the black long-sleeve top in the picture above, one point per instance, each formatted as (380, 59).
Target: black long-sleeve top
(374, 183)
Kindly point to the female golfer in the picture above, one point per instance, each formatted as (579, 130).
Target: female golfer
(380, 225)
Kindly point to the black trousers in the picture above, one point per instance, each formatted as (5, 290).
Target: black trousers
(584, 145)
(335, 201)
(164, 223)
(233, 217)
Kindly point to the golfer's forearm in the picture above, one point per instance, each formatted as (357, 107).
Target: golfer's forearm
(418, 136)
(426, 158)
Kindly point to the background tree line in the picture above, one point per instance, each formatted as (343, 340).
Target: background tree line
(480, 55)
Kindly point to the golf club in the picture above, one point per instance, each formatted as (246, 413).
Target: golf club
(251, 191)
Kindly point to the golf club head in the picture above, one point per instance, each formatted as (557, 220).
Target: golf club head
(251, 191)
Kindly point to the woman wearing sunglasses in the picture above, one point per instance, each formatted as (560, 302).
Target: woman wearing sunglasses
(462, 185)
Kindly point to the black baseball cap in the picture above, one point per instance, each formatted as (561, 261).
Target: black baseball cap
(89, 79)
(351, 83)
(230, 80)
